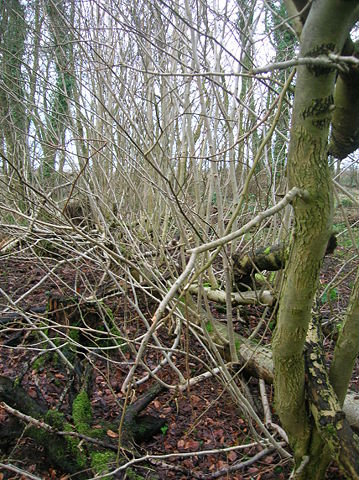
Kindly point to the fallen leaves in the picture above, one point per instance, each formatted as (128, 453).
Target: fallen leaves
(199, 419)
(157, 404)
(232, 456)
(188, 444)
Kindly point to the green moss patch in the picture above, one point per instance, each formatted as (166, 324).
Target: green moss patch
(103, 462)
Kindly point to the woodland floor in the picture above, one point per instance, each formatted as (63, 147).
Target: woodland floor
(201, 418)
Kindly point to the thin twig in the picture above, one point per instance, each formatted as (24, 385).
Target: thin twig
(288, 198)
(50, 429)
(220, 473)
(20, 471)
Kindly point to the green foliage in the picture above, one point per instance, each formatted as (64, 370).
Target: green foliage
(108, 311)
(61, 449)
(260, 278)
(338, 227)
(55, 418)
(74, 334)
(82, 412)
(39, 363)
(81, 451)
(14, 29)
(38, 434)
(272, 325)
(101, 462)
(101, 433)
(9, 218)
(283, 40)
(330, 295)
(52, 357)
(56, 449)
(221, 308)
(346, 202)
(164, 429)
(331, 429)
(114, 336)
(345, 240)
(339, 327)
(132, 475)
(17, 381)
(252, 203)
(209, 327)
(272, 277)
(74, 448)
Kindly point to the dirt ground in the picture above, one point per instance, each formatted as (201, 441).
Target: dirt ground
(201, 418)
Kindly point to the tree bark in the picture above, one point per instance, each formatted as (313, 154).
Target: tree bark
(271, 258)
(330, 421)
(345, 131)
(347, 347)
(264, 297)
(345, 354)
(326, 28)
(257, 360)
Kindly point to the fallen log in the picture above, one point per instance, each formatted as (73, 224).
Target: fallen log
(9, 317)
(264, 297)
(73, 447)
(270, 258)
(137, 428)
(257, 360)
(17, 398)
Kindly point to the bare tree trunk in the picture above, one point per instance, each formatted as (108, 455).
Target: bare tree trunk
(326, 29)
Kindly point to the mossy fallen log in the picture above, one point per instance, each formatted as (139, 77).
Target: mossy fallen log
(271, 258)
(17, 398)
(76, 446)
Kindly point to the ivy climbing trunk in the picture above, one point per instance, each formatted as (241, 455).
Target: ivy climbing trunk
(13, 115)
(325, 30)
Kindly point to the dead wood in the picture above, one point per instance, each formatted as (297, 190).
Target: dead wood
(17, 398)
(9, 317)
(330, 420)
(62, 313)
(270, 258)
(257, 360)
(56, 307)
(51, 432)
(245, 266)
(137, 427)
(264, 297)
(79, 213)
